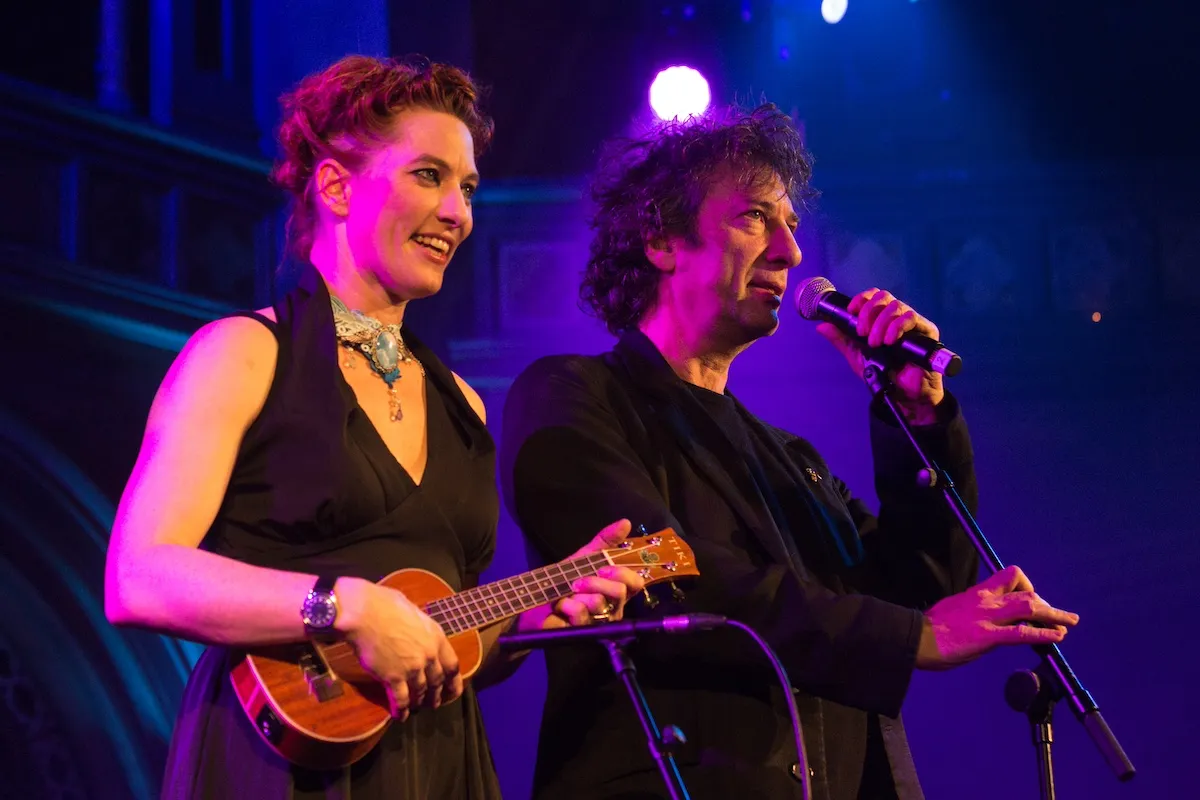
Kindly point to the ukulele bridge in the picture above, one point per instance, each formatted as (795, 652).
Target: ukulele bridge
(322, 683)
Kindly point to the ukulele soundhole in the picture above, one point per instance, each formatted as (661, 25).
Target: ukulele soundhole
(322, 683)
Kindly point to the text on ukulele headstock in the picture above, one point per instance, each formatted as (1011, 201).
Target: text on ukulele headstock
(660, 556)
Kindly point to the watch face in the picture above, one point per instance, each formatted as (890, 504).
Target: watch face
(319, 610)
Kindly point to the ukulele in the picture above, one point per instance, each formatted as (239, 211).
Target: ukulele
(316, 706)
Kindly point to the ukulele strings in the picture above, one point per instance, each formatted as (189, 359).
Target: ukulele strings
(612, 554)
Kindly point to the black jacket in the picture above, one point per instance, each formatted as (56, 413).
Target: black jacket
(834, 589)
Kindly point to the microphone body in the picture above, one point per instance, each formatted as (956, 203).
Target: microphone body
(626, 629)
(818, 300)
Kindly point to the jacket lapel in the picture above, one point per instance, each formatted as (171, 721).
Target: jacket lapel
(840, 544)
(722, 466)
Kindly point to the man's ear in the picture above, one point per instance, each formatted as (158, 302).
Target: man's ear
(661, 253)
(332, 183)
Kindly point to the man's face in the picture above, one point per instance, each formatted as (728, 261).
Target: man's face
(731, 280)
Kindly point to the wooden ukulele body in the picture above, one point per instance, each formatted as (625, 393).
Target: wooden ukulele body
(315, 705)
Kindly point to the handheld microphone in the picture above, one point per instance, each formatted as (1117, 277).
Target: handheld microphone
(818, 300)
(626, 629)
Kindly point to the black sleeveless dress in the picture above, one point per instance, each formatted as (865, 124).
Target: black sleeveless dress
(316, 489)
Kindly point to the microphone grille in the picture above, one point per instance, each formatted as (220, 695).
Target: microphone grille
(808, 294)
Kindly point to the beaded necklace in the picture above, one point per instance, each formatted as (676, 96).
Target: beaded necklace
(382, 345)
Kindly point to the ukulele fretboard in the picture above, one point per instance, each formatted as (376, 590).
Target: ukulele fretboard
(493, 602)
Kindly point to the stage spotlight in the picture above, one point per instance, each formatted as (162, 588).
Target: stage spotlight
(833, 10)
(679, 93)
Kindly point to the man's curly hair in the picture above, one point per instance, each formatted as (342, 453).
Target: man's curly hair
(651, 188)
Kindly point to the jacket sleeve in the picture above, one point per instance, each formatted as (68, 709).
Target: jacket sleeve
(916, 550)
(569, 466)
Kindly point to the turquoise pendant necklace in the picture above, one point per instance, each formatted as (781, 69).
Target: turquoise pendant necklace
(382, 345)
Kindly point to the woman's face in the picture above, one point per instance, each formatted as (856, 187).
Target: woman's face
(409, 207)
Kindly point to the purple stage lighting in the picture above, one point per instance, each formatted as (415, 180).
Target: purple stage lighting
(679, 93)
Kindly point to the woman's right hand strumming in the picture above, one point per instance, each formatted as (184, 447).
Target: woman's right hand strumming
(400, 645)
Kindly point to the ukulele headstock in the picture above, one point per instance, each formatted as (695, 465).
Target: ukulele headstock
(657, 557)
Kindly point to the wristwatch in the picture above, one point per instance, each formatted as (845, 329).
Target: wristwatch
(320, 608)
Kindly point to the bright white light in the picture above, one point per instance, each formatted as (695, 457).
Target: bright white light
(678, 93)
(833, 10)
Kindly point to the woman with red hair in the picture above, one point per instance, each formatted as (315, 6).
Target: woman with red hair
(295, 455)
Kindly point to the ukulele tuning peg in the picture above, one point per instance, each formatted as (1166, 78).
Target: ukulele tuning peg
(651, 600)
(676, 593)
(640, 530)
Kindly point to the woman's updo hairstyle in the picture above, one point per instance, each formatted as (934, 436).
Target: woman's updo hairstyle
(346, 111)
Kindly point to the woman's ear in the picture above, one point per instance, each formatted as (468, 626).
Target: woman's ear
(332, 183)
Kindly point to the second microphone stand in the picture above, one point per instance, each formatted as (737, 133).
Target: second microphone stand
(662, 744)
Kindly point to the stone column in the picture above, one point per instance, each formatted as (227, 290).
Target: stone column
(112, 72)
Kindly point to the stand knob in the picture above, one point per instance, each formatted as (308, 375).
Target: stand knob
(672, 738)
(1021, 690)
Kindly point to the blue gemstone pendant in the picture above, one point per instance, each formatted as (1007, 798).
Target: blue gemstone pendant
(383, 348)
(387, 352)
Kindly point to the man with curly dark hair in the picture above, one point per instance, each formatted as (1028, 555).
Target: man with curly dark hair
(694, 238)
(644, 186)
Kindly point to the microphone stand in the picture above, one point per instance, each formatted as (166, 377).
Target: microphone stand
(662, 745)
(1033, 692)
